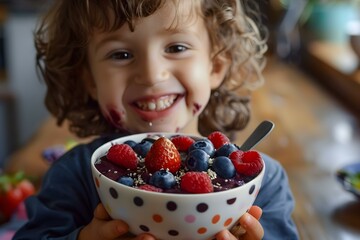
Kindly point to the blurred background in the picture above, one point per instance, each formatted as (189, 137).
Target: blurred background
(311, 93)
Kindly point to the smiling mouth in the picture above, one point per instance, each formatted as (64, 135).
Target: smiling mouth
(158, 104)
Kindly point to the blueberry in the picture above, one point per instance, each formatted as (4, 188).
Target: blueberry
(197, 160)
(203, 144)
(224, 167)
(143, 147)
(131, 143)
(128, 181)
(225, 150)
(162, 179)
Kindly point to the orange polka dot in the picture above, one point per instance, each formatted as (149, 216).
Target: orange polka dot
(97, 182)
(228, 222)
(157, 218)
(202, 230)
(215, 219)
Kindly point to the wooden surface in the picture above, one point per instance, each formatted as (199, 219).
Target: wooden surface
(338, 68)
(313, 137)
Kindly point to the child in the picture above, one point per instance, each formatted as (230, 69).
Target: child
(115, 67)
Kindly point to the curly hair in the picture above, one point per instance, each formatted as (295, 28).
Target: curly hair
(61, 40)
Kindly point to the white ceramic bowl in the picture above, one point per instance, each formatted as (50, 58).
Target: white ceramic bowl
(168, 215)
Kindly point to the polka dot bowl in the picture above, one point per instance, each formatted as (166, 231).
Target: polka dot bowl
(170, 216)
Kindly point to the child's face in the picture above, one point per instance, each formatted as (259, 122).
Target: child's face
(156, 78)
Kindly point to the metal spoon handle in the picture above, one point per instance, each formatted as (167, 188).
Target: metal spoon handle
(257, 135)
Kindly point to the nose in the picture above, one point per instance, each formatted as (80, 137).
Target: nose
(151, 70)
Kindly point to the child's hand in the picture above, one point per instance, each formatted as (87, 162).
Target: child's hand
(249, 224)
(102, 226)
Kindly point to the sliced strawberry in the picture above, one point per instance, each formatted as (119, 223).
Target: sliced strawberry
(196, 182)
(248, 163)
(151, 188)
(123, 155)
(163, 155)
(218, 139)
(182, 143)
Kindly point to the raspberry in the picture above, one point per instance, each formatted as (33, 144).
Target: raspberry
(163, 155)
(218, 139)
(182, 143)
(148, 187)
(122, 155)
(196, 182)
(247, 163)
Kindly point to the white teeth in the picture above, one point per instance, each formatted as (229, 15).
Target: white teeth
(157, 104)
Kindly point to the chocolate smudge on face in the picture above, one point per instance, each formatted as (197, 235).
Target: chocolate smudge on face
(115, 117)
(197, 108)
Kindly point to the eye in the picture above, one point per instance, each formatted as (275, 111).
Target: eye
(121, 55)
(176, 49)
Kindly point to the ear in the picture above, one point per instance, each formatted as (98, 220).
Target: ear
(89, 82)
(220, 67)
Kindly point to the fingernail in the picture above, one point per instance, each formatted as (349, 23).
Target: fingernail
(121, 229)
(246, 221)
(146, 237)
(226, 236)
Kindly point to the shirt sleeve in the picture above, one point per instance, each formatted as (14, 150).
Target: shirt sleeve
(277, 202)
(66, 200)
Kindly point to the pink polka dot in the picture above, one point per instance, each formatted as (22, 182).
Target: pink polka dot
(190, 218)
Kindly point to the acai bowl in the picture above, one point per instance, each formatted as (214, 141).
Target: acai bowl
(180, 210)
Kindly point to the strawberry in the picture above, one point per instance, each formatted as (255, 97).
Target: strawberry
(182, 143)
(248, 163)
(196, 182)
(26, 187)
(163, 155)
(148, 187)
(14, 189)
(218, 139)
(123, 155)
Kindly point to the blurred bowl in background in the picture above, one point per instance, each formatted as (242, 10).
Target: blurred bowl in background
(349, 177)
(353, 30)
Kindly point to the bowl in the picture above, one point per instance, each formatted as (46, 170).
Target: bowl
(172, 215)
(349, 178)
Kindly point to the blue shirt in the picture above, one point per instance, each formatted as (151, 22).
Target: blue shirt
(68, 197)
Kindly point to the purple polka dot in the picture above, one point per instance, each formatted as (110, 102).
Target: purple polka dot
(231, 201)
(251, 190)
(190, 218)
(173, 232)
(138, 201)
(144, 228)
(113, 193)
(171, 206)
(202, 207)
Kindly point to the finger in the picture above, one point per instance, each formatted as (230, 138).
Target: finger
(145, 236)
(225, 234)
(101, 213)
(255, 211)
(252, 226)
(113, 229)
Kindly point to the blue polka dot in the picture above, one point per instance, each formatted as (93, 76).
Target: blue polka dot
(171, 206)
(202, 207)
(231, 201)
(251, 190)
(113, 193)
(138, 201)
(144, 228)
(173, 232)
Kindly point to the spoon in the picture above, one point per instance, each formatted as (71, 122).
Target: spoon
(260, 132)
